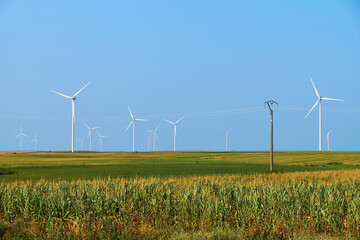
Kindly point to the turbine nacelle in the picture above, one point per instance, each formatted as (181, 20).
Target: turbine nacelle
(133, 120)
(73, 98)
(318, 102)
(174, 124)
(319, 99)
(90, 131)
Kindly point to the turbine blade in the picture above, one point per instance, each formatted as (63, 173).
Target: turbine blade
(139, 119)
(168, 121)
(179, 120)
(156, 128)
(317, 102)
(62, 94)
(94, 128)
(87, 126)
(130, 113)
(332, 99)
(81, 89)
(156, 135)
(314, 87)
(129, 125)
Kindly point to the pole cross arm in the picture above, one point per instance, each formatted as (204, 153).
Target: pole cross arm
(270, 103)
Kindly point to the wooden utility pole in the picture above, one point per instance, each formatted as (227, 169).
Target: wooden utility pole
(270, 103)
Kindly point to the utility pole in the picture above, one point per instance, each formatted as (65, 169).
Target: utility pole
(270, 103)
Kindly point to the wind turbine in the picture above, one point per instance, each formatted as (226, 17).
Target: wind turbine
(328, 139)
(174, 123)
(21, 134)
(155, 135)
(35, 140)
(100, 140)
(73, 98)
(133, 120)
(318, 102)
(227, 134)
(149, 143)
(90, 131)
(82, 143)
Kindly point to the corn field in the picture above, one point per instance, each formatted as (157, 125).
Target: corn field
(279, 206)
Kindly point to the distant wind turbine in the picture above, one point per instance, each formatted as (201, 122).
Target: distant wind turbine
(328, 139)
(149, 143)
(21, 134)
(155, 135)
(318, 102)
(35, 140)
(227, 134)
(82, 143)
(100, 140)
(133, 120)
(174, 123)
(90, 131)
(73, 98)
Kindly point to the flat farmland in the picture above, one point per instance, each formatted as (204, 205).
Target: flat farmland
(89, 165)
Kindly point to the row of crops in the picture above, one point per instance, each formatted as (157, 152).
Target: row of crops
(269, 205)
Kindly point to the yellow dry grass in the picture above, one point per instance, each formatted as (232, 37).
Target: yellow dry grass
(27, 158)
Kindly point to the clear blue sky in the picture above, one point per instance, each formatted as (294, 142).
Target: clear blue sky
(215, 62)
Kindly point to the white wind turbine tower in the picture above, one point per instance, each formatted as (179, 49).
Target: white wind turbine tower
(328, 139)
(227, 134)
(82, 143)
(133, 120)
(318, 102)
(21, 134)
(100, 140)
(73, 98)
(90, 131)
(35, 140)
(155, 135)
(174, 123)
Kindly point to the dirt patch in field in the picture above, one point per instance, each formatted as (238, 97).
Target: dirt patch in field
(215, 157)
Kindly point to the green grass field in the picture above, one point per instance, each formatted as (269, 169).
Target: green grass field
(89, 165)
